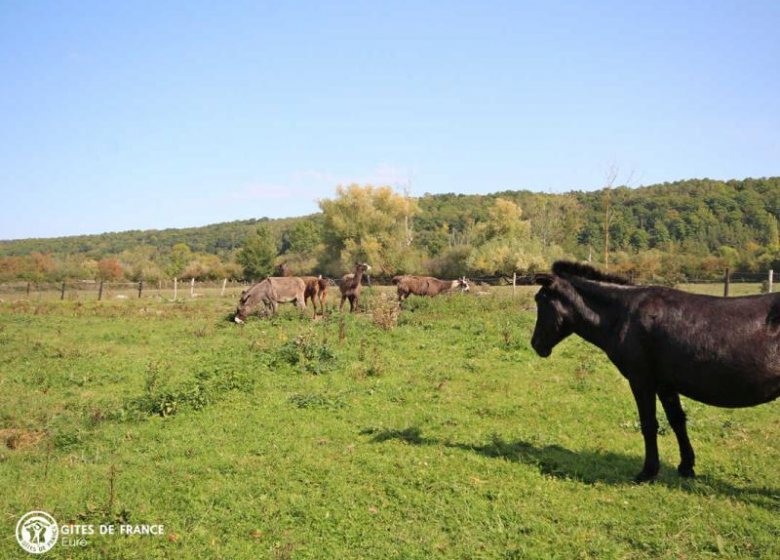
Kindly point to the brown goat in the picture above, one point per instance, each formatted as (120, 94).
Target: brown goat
(350, 286)
(426, 286)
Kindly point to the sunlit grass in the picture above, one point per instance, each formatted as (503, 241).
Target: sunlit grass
(445, 436)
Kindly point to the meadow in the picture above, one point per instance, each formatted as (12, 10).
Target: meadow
(435, 432)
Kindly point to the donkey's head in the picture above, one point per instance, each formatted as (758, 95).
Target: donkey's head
(463, 284)
(243, 308)
(554, 314)
(250, 299)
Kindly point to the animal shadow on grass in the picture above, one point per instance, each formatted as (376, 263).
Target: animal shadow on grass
(585, 466)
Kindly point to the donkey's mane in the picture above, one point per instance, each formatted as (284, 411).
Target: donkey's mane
(568, 269)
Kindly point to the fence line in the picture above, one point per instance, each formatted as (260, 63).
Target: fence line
(101, 289)
(228, 287)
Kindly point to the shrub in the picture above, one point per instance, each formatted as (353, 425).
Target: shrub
(385, 312)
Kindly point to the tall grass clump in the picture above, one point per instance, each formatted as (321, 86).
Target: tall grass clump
(306, 354)
(385, 312)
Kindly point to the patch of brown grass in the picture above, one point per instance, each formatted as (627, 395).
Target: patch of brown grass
(17, 438)
(385, 312)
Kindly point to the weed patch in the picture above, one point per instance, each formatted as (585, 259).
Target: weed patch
(207, 387)
(306, 355)
(385, 312)
(317, 400)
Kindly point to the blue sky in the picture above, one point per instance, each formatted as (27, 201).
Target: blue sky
(136, 115)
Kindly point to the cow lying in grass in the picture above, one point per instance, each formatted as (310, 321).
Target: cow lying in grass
(427, 286)
(270, 293)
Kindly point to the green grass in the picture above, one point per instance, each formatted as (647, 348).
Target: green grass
(444, 437)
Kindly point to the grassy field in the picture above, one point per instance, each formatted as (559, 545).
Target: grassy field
(441, 436)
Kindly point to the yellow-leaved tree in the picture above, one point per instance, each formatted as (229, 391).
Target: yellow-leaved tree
(369, 224)
(505, 245)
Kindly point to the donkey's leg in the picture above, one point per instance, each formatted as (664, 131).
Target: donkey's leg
(353, 303)
(304, 301)
(300, 302)
(306, 298)
(644, 396)
(676, 416)
(343, 299)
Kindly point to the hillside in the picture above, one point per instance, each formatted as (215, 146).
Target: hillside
(215, 239)
(699, 223)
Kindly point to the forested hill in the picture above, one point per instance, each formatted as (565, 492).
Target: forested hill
(697, 216)
(216, 239)
(698, 212)
(696, 224)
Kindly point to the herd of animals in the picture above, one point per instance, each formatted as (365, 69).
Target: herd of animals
(266, 295)
(719, 351)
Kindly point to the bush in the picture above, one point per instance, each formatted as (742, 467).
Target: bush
(306, 354)
(385, 312)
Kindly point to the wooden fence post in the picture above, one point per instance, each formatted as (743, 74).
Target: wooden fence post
(175, 288)
(100, 291)
(224, 284)
(140, 288)
(514, 284)
(28, 289)
(771, 279)
(62, 292)
(726, 282)
(192, 288)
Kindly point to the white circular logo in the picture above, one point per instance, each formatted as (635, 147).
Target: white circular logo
(37, 532)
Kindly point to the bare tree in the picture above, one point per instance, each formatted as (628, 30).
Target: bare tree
(609, 181)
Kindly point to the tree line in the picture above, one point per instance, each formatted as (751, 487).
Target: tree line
(689, 229)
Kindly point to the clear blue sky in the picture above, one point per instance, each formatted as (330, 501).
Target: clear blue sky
(135, 115)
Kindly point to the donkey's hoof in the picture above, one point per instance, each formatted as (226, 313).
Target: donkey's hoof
(645, 477)
(686, 471)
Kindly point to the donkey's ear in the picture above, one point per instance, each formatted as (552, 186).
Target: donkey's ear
(543, 279)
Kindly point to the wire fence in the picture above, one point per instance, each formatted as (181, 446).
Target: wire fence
(105, 290)
(175, 289)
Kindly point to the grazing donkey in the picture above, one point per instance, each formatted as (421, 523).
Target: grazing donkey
(719, 351)
(350, 286)
(427, 286)
(270, 293)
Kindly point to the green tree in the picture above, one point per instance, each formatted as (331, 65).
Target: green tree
(180, 257)
(258, 253)
(640, 240)
(303, 237)
(140, 263)
(504, 221)
(770, 235)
